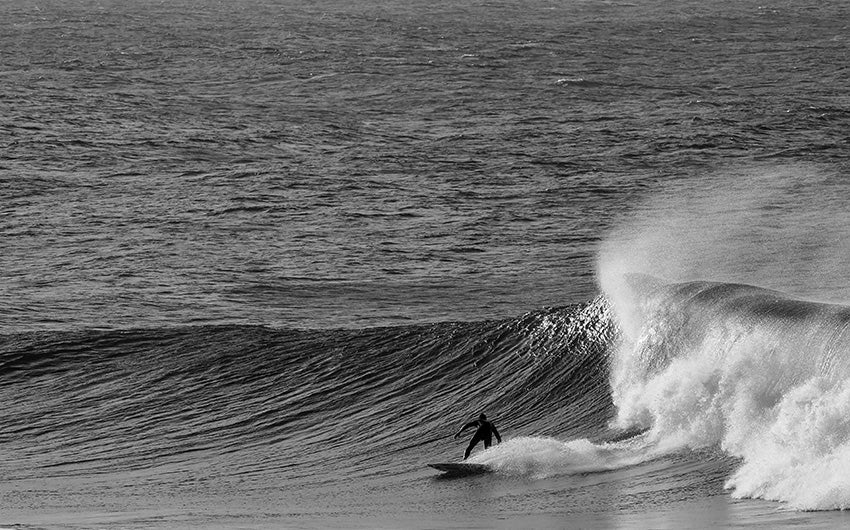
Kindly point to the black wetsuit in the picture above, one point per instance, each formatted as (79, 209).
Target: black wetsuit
(485, 432)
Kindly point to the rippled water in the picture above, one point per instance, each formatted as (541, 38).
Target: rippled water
(349, 164)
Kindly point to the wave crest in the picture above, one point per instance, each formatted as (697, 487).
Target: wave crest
(761, 375)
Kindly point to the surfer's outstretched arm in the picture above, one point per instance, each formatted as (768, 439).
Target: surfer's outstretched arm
(465, 427)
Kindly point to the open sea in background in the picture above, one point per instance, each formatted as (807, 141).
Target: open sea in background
(260, 259)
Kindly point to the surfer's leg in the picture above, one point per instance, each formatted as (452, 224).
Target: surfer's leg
(472, 444)
(488, 442)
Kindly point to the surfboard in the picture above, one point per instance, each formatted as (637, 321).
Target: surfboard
(460, 469)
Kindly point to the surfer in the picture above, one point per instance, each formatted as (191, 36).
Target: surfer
(485, 432)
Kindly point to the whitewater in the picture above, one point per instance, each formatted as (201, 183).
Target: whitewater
(260, 261)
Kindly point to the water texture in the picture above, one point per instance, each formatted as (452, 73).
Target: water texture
(261, 259)
(276, 163)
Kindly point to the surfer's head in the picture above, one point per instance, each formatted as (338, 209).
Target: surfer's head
(482, 417)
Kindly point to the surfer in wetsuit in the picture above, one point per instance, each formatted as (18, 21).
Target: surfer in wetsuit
(485, 432)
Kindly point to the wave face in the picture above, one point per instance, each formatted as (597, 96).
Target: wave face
(763, 376)
(294, 407)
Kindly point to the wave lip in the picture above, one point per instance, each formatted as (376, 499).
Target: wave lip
(757, 373)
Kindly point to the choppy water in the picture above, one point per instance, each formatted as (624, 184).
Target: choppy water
(261, 259)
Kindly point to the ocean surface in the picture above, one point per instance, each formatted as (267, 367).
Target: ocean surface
(261, 259)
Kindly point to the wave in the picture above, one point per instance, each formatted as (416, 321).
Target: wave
(761, 375)
(305, 403)
(661, 368)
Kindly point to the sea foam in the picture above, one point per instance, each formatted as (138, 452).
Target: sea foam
(763, 375)
(540, 457)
